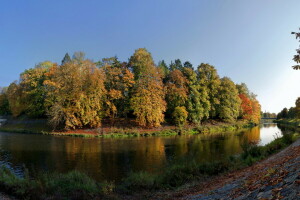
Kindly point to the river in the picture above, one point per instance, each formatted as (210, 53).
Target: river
(111, 158)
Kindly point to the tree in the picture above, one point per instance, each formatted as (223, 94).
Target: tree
(118, 82)
(197, 104)
(15, 99)
(246, 107)
(256, 109)
(297, 56)
(176, 65)
(66, 59)
(228, 109)
(298, 108)
(180, 115)
(176, 90)
(32, 84)
(147, 99)
(75, 96)
(164, 68)
(292, 113)
(78, 57)
(187, 64)
(4, 104)
(209, 78)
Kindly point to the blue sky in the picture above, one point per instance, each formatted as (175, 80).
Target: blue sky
(249, 41)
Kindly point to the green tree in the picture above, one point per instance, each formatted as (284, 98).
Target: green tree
(66, 59)
(180, 115)
(187, 64)
(15, 98)
(4, 104)
(164, 68)
(32, 84)
(147, 99)
(229, 106)
(298, 108)
(209, 79)
(197, 104)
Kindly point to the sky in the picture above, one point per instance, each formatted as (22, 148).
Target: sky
(248, 41)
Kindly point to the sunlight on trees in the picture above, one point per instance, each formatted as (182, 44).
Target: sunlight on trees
(80, 93)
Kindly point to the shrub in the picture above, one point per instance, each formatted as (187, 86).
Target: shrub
(180, 115)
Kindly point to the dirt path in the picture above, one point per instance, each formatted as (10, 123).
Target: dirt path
(277, 177)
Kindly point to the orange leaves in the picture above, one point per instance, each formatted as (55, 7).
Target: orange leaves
(246, 106)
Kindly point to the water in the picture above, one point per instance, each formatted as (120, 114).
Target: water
(112, 159)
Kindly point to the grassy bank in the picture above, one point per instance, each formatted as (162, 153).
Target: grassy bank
(291, 122)
(76, 185)
(41, 127)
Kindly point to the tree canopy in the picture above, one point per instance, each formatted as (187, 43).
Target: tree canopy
(80, 93)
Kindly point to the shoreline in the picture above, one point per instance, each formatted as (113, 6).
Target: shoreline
(274, 176)
(41, 127)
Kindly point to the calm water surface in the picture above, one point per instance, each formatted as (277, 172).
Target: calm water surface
(112, 159)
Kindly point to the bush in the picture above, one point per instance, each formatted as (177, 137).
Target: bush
(138, 181)
(180, 115)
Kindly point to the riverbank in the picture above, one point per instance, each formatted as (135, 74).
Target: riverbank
(40, 126)
(277, 177)
(292, 122)
(141, 185)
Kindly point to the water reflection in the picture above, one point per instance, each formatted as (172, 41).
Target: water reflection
(112, 159)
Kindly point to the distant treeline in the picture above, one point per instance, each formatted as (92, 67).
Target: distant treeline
(268, 115)
(291, 113)
(79, 93)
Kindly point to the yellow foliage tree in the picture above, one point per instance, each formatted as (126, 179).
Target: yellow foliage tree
(75, 95)
(147, 99)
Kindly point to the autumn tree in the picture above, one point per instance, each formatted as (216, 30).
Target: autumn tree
(176, 90)
(147, 99)
(75, 95)
(209, 79)
(246, 107)
(180, 115)
(34, 90)
(229, 106)
(197, 104)
(118, 83)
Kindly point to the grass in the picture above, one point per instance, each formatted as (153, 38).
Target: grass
(185, 171)
(73, 185)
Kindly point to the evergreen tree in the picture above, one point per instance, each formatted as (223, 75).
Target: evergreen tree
(66, 59)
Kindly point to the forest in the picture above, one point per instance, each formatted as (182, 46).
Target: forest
(81, 93)
(291, 113)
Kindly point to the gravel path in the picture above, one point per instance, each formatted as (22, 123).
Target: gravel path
(275, 178)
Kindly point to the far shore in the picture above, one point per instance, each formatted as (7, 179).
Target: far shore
(122, 128)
